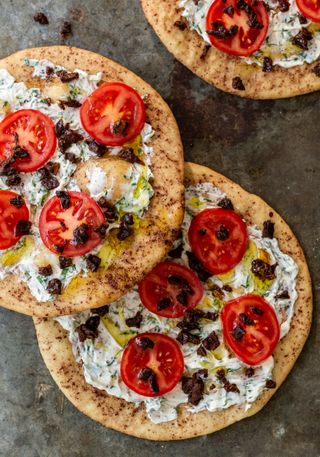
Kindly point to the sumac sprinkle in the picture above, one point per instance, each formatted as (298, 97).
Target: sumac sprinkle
(267, 65)
(268, 229)
(14, 180)
(41, 18)
(45, 271)
(69, 104)
(134, 321)
(226, 203)
(54, 286)
(23, 228)
(237, 83)
(17, 201)
(64, 198)
(145, 343)
(231, 387)
(53, 167)
(238, 333)
(93, 262)
(257, 311)
(190, 320)
(164, 303)
(181, 25)
(270, 384)
(65, 262)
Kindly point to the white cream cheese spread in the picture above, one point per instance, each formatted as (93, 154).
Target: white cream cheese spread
(283, 27)
(24, 258)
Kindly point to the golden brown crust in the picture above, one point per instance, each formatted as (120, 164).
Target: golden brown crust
(119, 415)
(162, 220)
(219, 68)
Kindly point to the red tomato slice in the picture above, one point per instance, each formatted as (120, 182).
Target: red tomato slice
(34, 132)
(237, 27)
(250, 328)
(113, 114)
(219, 239)
(10, 215)
(170, 289)
(57, 224)
(310, 9)
(152, 364)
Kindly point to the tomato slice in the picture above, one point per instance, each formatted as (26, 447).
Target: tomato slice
(71, 230)
(12, 210)
(218, 237)
(30, 131)
(170, 289)
(250, 328)
(310, 9)
(113, 114)
(152, 364)
(237, 27)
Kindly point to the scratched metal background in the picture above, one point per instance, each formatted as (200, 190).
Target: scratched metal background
(271, 148)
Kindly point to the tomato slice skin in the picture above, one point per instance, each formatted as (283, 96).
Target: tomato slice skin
(310, 9)
(231, 32)
(218, 255)
(57, 224)
(165, 359)
(35, 133)
(261, 334)
(10, 215)
(106, 106)
(167, 281)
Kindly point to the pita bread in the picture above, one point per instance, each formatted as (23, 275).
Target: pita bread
(117, 414)
(161, 221)
(218, 68)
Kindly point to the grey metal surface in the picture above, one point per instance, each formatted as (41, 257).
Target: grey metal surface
(271, 148)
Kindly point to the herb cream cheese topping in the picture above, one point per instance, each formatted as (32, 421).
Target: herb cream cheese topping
(101, 358)
(282, 28)
(29, 253)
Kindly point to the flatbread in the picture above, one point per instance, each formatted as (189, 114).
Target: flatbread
(117, 414)
(162, 220)
(218, 68)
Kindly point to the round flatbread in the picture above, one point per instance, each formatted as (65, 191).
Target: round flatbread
(218, 68)
(117, 414)
(162, 220)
